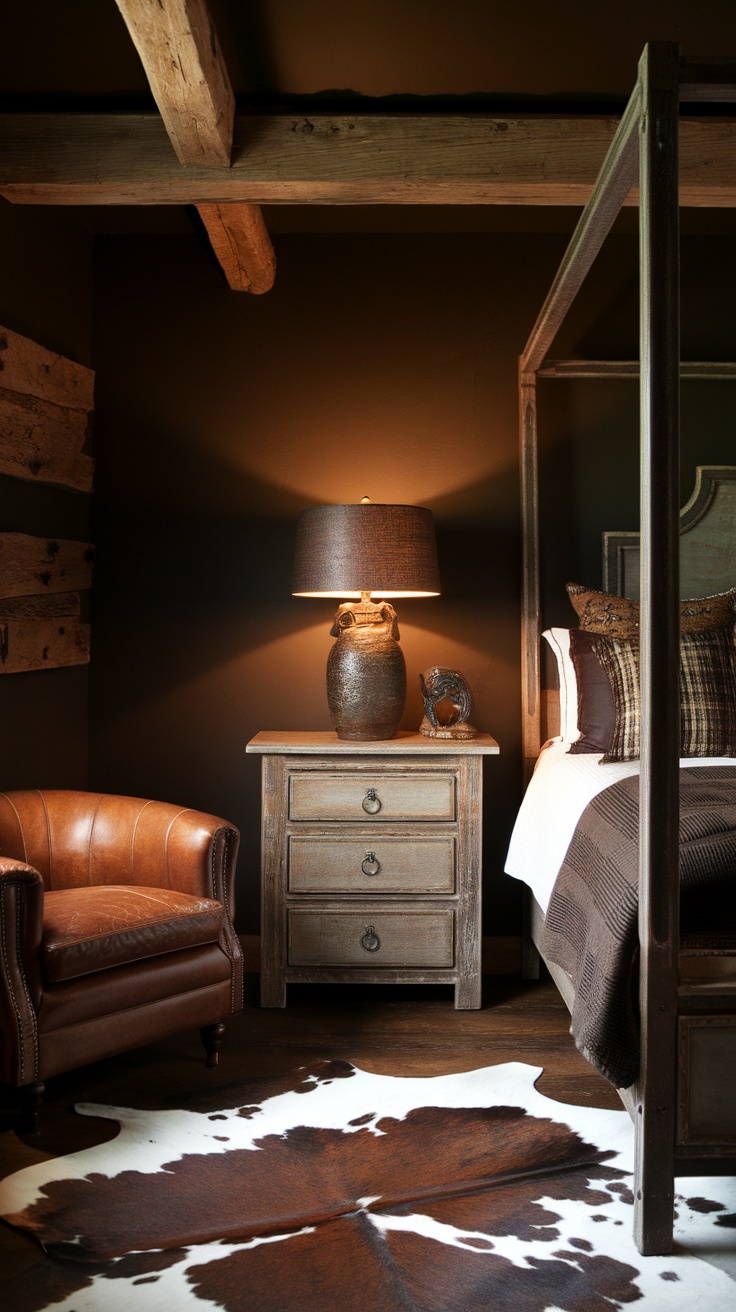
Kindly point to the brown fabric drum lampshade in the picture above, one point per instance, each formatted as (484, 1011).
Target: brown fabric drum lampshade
(342, 551)
(351, 551)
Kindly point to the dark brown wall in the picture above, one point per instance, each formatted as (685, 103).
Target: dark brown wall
(374, 47)
(378, 365)
(45, 294)
(381, 365)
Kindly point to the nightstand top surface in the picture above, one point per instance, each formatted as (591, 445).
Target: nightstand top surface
(301, 742)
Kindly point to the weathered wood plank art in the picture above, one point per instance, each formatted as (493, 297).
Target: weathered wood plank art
(29, 368)
(45, 405)
(31, 565)
(46, 402)
(42, 633)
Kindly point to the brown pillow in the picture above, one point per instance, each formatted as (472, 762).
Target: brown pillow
(596, 707)
(707, 694)
(618, 617)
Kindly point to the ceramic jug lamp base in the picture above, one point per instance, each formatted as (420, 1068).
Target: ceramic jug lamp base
(366, 672)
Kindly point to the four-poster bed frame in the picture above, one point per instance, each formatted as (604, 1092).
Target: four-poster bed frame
(645, 149)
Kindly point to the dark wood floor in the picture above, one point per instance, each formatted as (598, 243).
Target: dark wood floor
(389, 1030)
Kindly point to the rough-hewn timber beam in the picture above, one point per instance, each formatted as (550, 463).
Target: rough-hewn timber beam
(240, 240)
(180, 53)
(114, 159)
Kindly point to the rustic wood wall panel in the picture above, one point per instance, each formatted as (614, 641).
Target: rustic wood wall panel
(42, 633)
(43, 565)
(43, 443)
(29, 368)
(45, 411)
(45, 406)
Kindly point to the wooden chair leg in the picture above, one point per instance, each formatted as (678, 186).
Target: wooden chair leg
(212, 1036)
(31, 1097)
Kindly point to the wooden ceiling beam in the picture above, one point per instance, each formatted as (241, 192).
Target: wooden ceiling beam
(178, 47)
(181, 56)
(113, 159)
(240, 240)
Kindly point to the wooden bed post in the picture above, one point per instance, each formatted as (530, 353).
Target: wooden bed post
(660, 639)
(531, 627)
(531, 617)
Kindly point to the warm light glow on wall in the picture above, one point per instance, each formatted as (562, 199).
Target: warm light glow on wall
(417, 444)
(413, 470)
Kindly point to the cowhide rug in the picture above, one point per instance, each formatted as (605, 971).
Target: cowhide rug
(333, 1190)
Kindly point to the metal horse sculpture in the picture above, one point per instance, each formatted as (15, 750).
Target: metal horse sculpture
(440, 685)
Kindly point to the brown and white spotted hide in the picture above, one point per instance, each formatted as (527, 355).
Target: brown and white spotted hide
(335, 1190)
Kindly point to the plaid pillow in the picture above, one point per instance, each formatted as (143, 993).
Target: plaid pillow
(707, 694)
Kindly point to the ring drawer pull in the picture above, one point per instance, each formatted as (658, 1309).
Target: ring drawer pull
(369, 865)
(371, 802)
(370, 940)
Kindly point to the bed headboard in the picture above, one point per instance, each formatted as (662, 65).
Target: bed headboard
(707, 541)
(707, 558)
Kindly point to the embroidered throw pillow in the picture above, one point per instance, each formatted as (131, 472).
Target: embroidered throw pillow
(707, 694)
(618, 617)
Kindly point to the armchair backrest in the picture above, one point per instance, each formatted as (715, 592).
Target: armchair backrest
(77, 838)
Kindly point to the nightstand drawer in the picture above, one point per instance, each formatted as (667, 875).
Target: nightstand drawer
(362, 797)
(370, 937)
(371, 863)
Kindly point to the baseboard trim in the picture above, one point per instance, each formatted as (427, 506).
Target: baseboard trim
(500, 954)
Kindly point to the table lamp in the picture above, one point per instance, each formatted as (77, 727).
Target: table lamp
(350, 552)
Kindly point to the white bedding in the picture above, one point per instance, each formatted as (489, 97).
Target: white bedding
(558, 793)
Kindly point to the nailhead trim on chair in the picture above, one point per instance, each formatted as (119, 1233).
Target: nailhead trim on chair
(21, 973)
(226, 837)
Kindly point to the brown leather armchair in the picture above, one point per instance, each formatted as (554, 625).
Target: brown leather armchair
(116, 928)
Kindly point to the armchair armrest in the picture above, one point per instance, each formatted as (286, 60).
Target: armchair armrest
(21, 925)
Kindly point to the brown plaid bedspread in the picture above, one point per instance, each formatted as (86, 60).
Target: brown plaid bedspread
(591, 928)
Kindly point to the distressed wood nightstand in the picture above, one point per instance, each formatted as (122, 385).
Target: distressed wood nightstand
(371, 861)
